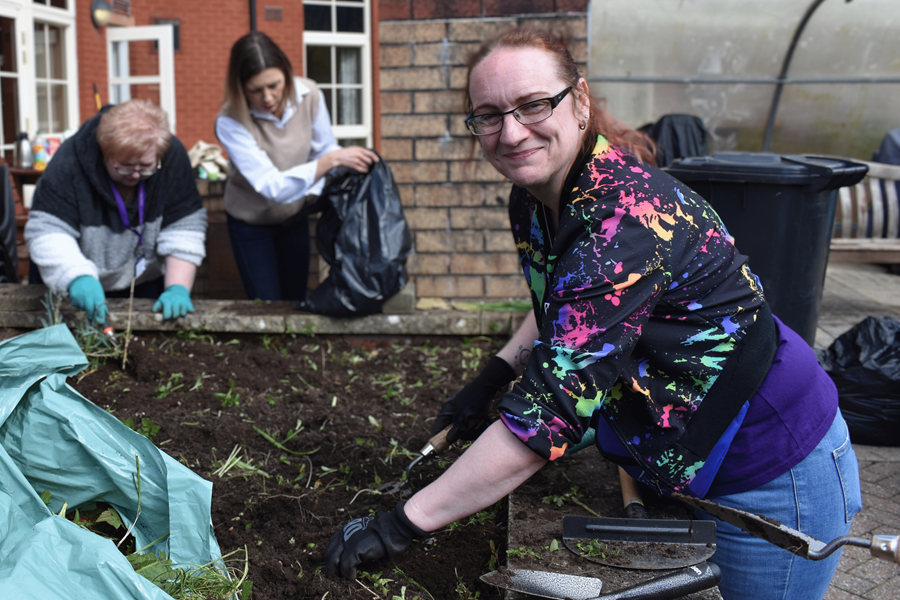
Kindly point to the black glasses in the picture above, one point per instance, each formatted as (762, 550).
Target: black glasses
(130, 172)
(527, 114)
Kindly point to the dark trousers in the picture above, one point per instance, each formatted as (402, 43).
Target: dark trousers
(149, 289)
(273, 259)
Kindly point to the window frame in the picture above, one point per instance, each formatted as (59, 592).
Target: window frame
(363, 41)
(24, 14)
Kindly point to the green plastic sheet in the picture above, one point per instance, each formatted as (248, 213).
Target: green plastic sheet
(54, 439)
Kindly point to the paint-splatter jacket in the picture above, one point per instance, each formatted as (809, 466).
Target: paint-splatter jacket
(640, 298)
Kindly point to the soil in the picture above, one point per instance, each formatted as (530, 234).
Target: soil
(350, 414)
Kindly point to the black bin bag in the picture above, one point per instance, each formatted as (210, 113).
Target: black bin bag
(363, 236)
(864, 364)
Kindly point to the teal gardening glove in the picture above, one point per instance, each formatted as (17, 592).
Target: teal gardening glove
(86, 293)
(174, 302)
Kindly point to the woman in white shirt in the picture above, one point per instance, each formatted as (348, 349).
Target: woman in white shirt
(276, 130)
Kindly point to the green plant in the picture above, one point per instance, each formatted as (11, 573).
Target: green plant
(288, 437)
(379, 583)
(148, 428)
(229, 398)
(573, 496)
(51, 306)
(596, 548)
(215, 580)
(461, 590)
(167, 388)
(234, 466)
(495, 556)
(522, 552)
(408, 579)
(398, 450)
(188, 335)
(199, 383)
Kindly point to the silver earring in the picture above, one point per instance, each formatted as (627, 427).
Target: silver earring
(582, 125)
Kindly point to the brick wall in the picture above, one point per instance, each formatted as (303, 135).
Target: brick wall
(207, 32)
(456, 209)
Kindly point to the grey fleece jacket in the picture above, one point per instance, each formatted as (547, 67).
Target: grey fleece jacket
(74, 227)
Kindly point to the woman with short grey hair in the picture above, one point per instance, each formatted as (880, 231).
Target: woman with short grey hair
(117, 202)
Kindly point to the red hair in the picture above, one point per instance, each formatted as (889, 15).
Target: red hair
(601, 121)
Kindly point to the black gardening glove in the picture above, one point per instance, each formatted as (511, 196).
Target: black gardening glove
(369, 538)
(467, 409)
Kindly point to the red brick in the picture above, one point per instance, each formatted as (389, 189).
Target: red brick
(445, 9)
(564, 6)
(501, 8)
(394, 10)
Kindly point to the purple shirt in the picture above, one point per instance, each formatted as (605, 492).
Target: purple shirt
(787, 418)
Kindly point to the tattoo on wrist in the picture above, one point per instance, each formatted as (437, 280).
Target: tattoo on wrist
(521, 359)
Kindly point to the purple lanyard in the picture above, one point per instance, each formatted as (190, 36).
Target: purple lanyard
(123, 212)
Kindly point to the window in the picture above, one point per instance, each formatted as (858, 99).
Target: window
(9, 89)
(50, 78)
(38, 70)
(337, 56)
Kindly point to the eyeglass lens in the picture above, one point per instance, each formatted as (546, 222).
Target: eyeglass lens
(527, 114)
(142, 173)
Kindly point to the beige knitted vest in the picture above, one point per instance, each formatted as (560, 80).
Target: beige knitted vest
(286, 148)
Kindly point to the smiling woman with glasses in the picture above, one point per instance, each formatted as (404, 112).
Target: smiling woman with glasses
(117, 203)
(648, 331)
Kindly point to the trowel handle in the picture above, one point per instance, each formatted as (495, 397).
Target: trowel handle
(886, 547)
(631, 496)
(674, 585)
(438, 443)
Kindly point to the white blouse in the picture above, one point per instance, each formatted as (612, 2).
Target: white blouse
(255, 165)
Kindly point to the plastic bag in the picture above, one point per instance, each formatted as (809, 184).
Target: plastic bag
(52, 438)
(864, 364)
(363, 236)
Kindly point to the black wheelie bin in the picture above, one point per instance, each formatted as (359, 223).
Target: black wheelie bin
(780, 211)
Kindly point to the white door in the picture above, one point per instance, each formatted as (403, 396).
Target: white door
(141, 63)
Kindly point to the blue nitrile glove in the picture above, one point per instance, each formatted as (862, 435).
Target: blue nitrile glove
(369, 539)
(174, 302)
(87, 294)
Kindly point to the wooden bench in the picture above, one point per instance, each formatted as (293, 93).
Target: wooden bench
(875, 197)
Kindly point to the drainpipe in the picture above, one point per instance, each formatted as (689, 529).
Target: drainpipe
(770, 125)
(253, 15)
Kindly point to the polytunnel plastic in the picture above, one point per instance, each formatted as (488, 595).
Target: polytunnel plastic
(54, 439)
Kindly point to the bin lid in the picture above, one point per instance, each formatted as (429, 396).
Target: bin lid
(765, 167)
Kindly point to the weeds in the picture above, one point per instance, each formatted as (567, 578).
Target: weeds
(522, 552)
(573, 496)
(461, 590)
(234, 466)
(215, 580)
(379, 583)
(170, 386)
(229, 398)
(597, 549)
(147, 429)
(408, 579)
(288, 437)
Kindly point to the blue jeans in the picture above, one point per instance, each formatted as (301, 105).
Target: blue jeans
(819, 496)
(273, 259)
